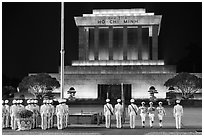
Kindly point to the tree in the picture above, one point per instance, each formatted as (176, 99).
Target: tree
(39, 85)
(185, 83)
(152, 91)
(8, 92)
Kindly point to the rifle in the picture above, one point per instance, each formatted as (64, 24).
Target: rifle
(109, 109)
(134, 109)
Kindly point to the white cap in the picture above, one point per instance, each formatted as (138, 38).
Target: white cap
(20, 101)
(177, 101)
(60, 100)
(2, 101)
(160, 102)
(132, 100)
(44, 101)
(31, 101)
(118, 100)
(107, 100)
(28, 101)
(143, 102)
(35, 101)
(14, 101)
(150, 103)
(6, 101)
(51, 101)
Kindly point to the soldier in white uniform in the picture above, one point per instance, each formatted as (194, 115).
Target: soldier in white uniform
(161, 113)
(13, 113)
(3, 114)
(43, 113)
(20, 104)
(178, 113)
(108, 111)
(66, 113)
(143, 113)
(29, 107)
(51, 114)
(118, 113)
(36, 112)
(132, 111)
(6, 113)
(150, 112)
(60, 114)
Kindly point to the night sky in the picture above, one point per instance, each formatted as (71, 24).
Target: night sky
(31, 34)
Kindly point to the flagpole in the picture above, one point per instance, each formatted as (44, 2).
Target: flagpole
(62, 50)
(123, 102)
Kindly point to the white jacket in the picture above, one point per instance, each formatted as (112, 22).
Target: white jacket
(178, 110)
(118, 109)
(106, 109)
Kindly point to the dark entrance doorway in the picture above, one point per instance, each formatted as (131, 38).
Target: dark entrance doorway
(113, 92)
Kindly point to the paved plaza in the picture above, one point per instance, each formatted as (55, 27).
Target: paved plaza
(191, 124)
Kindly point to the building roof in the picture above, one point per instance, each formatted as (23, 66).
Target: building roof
(119, 17)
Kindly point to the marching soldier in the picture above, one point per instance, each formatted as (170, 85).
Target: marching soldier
(118, 113)
(132, 110)
(161, 113)
(43, 113)
(108, 111)
(13, 113)
(60, 115)
(178, 113)
(151, 111)
(6, 113)
(143, 112)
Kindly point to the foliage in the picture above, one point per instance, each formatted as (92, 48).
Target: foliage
(39, 85)
(8, 92)
(24, 113)
(152, 91)
(185, 83)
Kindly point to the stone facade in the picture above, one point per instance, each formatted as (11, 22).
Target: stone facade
(118, 48)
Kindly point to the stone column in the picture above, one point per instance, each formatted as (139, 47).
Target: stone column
(139, 42)
(87, 43)
(155, 42)
(96, 37)
(110, 38)
(125, 43)
(82, 41)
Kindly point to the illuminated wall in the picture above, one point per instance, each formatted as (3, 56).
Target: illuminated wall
(132, 51)
(118, 43)
(103, 44)
(102, 47)
(91, 44)
(86, 86)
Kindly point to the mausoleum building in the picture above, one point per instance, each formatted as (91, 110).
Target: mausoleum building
(118, 50)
